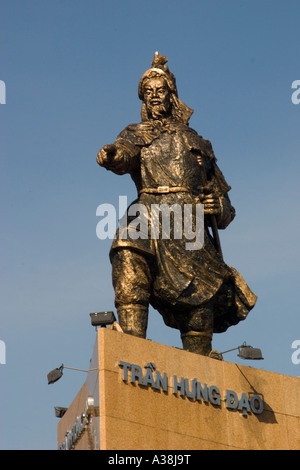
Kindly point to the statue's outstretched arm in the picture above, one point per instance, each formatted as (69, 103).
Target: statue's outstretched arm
(115, 158)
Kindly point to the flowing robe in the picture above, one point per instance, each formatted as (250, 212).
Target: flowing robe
(164, 154)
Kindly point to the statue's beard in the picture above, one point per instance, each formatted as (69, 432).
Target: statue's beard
(158, 111)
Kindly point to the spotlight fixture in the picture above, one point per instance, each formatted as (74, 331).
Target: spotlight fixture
(245, 352)
(59, 411)
(102, 318)
(55, 374)
(250, 353)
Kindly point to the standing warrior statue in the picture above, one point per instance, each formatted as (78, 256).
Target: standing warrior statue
(193, 290)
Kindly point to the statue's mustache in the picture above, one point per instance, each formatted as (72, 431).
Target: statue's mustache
(158, 110)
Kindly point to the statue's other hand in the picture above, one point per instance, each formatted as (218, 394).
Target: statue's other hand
(211, 203)
(106, 154)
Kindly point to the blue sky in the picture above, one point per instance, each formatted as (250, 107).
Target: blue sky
(71, 70)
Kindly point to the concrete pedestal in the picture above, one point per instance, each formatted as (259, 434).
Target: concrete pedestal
(147, 396)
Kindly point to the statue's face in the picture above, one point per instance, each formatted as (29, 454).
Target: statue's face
(157, 97)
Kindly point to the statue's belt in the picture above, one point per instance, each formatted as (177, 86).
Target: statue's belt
(164, 190)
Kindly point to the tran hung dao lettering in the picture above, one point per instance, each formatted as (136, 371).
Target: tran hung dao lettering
(194, 390)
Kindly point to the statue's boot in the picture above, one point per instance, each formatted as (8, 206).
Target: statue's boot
(197, 342)
(133, 319)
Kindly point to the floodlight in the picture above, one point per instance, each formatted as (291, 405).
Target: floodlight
(248, 352)
(102, 318)
(245, 352)
(55, 374)
(59, 411)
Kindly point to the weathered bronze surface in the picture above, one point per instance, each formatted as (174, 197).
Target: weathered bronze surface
(195, 291)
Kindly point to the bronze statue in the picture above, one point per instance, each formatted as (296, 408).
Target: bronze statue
(194, 290)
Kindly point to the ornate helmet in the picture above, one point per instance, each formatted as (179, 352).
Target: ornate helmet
(158, 69)
(180, 111)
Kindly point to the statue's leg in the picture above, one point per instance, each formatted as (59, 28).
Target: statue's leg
(197, 342)
(196, 328)
(132, 283)
(133, 319)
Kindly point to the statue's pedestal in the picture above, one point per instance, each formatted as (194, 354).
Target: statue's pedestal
(181, 401)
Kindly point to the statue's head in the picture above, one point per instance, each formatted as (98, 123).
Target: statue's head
(157, 97)
(158, 91)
